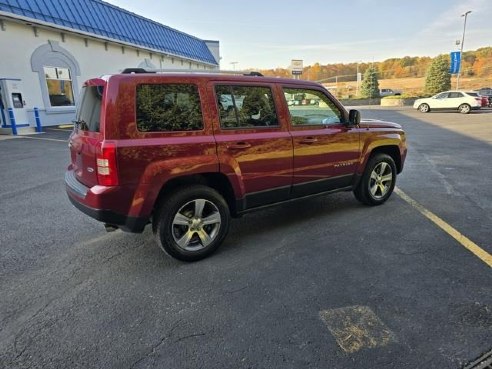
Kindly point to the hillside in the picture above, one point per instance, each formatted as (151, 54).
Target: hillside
(407, 73)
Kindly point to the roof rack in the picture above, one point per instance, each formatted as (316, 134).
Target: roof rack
(194, 71)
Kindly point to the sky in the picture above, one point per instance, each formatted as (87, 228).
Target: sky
(270, 33)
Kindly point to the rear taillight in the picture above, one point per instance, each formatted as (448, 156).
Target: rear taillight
(107, 173)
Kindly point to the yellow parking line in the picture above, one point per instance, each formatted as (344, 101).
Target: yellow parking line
(462, 239)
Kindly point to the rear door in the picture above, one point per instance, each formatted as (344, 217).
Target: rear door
(87, 135)
(326, 150)
(254, 148)
(454, 100)
(441, 101)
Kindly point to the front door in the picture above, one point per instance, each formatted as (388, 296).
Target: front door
(326, 149)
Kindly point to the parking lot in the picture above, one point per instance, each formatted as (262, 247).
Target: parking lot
(322, 283)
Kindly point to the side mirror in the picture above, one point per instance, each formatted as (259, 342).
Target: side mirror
(354, 117)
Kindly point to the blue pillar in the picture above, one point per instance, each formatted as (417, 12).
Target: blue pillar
(12, 121)
(38, 120)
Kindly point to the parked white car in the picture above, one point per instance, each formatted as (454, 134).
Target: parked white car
(462, 101)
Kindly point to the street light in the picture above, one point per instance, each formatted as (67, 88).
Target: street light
(234, 65)
(461, 49)
(358, 78)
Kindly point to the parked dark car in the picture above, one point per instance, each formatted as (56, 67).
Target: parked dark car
(486, 91)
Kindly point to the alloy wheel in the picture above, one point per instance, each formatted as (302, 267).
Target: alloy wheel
(381, 180)
(196, 225)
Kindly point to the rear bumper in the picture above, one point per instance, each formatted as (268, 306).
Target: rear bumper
(81, 197)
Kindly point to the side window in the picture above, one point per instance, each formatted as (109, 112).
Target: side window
(311, 107)
(442, 95)
(168, 107)
(245, 106)
(454, 95)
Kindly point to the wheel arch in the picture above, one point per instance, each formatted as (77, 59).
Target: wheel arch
(391, 150)
(217, 181)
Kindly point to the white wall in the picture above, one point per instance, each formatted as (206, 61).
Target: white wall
(18, 41)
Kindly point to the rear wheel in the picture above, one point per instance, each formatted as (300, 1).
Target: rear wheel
(464, 108)
(424, 108)
(378, 181)
(192, 222)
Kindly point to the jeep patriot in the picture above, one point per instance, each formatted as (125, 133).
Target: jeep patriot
(186, 151)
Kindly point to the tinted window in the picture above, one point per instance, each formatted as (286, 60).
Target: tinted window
(311, 107)
(474, 94)
(245, 106)
(168, 107)
(454, 95)
(89, 110)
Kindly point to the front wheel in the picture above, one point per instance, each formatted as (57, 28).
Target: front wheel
(464, 108)
(192, 222)
(378, 181)
(424, 108)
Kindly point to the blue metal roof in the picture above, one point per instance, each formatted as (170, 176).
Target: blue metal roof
(109, 21)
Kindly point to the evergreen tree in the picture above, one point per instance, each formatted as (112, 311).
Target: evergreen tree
(370, 84)
(438, 77)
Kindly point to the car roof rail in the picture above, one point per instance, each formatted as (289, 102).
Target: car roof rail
(135, 71)
(192, 71)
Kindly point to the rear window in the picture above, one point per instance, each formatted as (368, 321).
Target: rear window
(89, 111)
(168, 107)
(474, 94)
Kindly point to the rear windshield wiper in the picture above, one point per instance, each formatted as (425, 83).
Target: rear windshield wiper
(80, 124)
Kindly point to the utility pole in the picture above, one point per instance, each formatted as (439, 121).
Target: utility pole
(461, 49)
(234, 65)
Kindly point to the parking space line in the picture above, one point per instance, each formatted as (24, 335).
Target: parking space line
(462, 239)
(43, 139)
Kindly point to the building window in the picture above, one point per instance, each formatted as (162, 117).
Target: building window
(57, 70)
(59, 83)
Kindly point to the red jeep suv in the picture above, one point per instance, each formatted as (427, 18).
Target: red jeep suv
(187, 151)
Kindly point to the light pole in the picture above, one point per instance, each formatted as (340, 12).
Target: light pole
(461, 49)
(358, 78)
(234, 65)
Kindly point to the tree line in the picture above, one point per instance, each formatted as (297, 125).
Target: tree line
(474, 63)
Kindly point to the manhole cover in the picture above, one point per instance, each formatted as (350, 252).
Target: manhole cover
(483, 362)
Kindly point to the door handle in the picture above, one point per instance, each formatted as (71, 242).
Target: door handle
(239, 146)
(309, 140)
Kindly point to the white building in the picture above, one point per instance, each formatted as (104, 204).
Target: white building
(49, 48)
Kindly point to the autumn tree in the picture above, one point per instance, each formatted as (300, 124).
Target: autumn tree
(438, 78)
(370, 84)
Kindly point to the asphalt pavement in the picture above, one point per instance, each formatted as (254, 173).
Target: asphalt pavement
(322, 283)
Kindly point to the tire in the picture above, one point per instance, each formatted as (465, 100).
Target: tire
(378, 181)
(191, 223)
(464, 108)
(424, 108)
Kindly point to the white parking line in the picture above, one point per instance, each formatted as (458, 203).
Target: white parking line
(43, 139)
